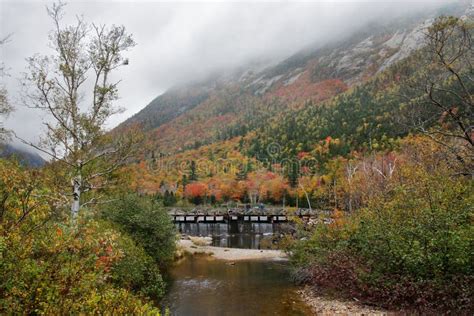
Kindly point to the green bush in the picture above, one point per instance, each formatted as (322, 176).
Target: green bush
(137, 271)
(147, 223)
(424, 231)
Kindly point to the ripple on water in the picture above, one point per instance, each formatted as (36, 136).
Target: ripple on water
(198, 284)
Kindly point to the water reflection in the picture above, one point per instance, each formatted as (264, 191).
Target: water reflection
(202, 286)
(234, 234)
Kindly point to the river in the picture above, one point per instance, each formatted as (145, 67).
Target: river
(201, 285)
(205, 286)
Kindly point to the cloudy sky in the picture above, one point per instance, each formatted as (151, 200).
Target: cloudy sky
(182, 41)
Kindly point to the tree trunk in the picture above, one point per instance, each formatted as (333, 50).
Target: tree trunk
(350, 202)
(76, 195)
(307, 197)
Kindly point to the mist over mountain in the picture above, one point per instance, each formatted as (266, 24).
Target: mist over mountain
(197, 113)
(24, 156)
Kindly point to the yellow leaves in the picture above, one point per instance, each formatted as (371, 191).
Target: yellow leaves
(24, 195)
(338, 218)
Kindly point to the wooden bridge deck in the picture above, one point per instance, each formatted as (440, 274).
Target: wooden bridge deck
(228, 218)
(220, 215)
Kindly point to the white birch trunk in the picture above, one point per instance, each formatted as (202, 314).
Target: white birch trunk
(306, 194)
(76, 196)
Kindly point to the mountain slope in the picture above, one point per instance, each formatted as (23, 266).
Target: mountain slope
(191, 115)
(325, 102)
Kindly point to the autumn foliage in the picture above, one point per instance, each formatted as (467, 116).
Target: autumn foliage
(409, 246)
(51, 267)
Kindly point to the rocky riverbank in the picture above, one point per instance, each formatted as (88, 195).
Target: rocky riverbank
(200, 245)
(322, 305)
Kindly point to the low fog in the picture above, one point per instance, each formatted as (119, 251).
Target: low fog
(181, 42)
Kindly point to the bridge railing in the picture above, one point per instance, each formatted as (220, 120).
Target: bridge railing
(272, 215)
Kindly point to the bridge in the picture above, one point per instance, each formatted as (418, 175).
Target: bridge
(259, 215)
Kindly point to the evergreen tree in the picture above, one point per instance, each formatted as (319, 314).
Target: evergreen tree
(193, 175)
(184, 180)
(293, 174)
